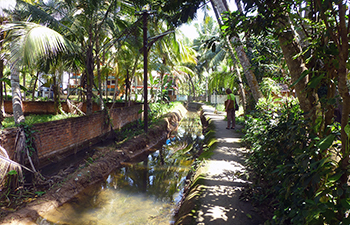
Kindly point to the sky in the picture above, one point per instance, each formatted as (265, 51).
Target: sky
(190, 31)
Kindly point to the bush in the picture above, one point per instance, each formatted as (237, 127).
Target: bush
(295, 170)
(158, 109)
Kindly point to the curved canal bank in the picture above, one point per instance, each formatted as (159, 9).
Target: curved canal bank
(103, 162)
(144, 191)
(211, 194)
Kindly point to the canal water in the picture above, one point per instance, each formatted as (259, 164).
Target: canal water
(145, 191)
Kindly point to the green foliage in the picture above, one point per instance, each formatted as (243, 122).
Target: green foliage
(128, 131)
(12, 172)
(158, 109)
(220, 107)
(296, 171)
(28, 132)
(40, 193)
(160, 95)
(88, 161)
(35, 118)
(269, 86)
(274, 104)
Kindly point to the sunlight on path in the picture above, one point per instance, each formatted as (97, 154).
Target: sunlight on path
(224, 177)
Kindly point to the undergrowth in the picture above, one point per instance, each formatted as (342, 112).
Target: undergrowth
(296, 171)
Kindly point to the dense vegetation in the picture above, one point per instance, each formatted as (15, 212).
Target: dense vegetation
(299, 146)
(296, 173)
(286, 59)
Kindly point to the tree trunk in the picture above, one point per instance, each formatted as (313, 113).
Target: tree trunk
(5, 92)
(193, 90)
(99, 72)
(127, 88)
(90, 80)
(2, 110)
(342, 40)
(56, 95)
(240, 84)
(329, 108)
(16, 97)
(106, 87)
(24, 85)
(134, 71)
(90, 74)
(221, 7)
(290, 48)
(34, 86)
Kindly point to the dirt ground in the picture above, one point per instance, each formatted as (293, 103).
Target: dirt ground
(102, 163)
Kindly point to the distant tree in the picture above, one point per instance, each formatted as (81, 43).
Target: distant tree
(220, 6)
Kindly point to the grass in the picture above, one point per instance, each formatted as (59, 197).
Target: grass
(35, 118)
(157, 109)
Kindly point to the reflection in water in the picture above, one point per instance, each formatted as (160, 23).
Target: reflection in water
(145, 192)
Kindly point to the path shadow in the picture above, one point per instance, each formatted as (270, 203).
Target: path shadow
(223, 181)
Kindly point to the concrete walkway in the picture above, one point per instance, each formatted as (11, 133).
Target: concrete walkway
(223, 179)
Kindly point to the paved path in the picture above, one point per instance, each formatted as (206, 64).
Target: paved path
(223, 180)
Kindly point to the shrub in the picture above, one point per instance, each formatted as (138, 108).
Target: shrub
(296, 169)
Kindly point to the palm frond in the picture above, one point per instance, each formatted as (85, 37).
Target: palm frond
(218, 58)
(31, 42)
(7, 165)
(6, 6)
(40, 14)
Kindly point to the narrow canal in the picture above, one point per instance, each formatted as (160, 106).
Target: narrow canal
(144, 191)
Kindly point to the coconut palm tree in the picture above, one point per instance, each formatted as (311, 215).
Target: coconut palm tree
(220, 6)
(5, 8)
(27, 43)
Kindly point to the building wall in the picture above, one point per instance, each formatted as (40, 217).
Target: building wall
(58, 139)
(220, 99)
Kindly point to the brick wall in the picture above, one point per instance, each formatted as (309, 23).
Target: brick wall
(58, 139)
(47, 107)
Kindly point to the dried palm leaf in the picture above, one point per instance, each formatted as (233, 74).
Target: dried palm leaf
(8, 165)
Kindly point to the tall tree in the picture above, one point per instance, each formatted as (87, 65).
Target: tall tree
(27, 44)
(317, 64)
(221, 6)
(338, 26)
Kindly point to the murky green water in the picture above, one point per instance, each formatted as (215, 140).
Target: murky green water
(144, 192)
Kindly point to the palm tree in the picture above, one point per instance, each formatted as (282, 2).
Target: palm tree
(215, 52)
(5, 8)
(220, 6)
(28, 43)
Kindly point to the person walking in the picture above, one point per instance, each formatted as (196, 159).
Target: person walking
(230, 109)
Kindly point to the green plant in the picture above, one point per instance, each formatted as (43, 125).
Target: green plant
(220, 107)
(268, 87)
(296, 169)
(29, 138)
(88, 161)
(35, 118)
(40, 193)
(158, 109)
